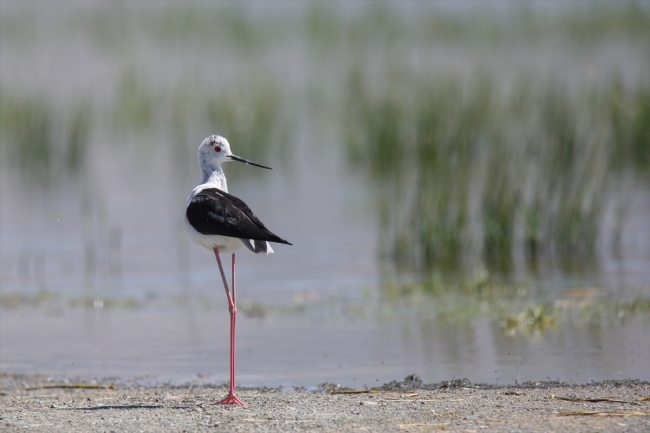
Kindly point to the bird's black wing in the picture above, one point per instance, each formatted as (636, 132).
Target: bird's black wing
(214, 212)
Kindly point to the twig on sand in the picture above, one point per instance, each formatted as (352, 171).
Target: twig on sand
(601, 413)
(405, 397)
(71, 386)
(36, 396)
(441, 425)
(402, 394)
(592, 400)
(408, 399)
(356, 391)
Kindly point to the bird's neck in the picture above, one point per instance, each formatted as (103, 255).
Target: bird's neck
(216, 177)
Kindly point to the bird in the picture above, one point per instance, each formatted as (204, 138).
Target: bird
(223, 223)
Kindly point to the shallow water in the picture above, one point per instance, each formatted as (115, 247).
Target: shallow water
(191, 345)
(98, 277)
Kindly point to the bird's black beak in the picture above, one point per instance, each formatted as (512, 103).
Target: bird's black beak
(245, 161)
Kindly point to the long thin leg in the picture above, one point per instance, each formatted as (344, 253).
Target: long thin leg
(232, 307)
(233, 329)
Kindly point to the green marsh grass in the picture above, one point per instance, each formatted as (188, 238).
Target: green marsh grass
(46, 299)
(249, 116)
(134, 105)
(44, 143)
(78, 137)
(516, 310)
(478, 172)
(533, 165)
(586, 25)
(27, 129)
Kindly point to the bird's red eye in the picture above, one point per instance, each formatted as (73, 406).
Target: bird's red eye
(217, 149)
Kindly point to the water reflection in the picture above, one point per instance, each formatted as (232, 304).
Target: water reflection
(489, 224)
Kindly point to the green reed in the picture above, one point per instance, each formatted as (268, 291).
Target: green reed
(630, 128)
(43, 142)
(248, 116)
(380, 25)
(134, 106)
(532, 164)
(78, 137)
(46, 142)
(515, 310)
(27, 132)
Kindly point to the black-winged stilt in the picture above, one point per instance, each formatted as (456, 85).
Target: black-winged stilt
(223, 223)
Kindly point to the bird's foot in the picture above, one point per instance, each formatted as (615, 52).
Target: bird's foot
(231, 399)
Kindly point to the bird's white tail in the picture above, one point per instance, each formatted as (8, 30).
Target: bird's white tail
(258, 247)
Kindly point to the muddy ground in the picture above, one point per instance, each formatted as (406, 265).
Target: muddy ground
(34, 403)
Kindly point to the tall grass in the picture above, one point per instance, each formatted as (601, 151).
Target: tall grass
(28, 125)
(248, 116)
(383, 24)
(47, 143)
(493, 172)
(44, 143)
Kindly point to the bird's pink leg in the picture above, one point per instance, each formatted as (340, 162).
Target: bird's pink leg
(232, 306)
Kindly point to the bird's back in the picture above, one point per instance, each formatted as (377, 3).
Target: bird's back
(218, 219)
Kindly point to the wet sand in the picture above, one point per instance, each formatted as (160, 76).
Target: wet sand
(32, 403)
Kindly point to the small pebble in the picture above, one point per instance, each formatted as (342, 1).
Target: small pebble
(173, 398)
(368, 403)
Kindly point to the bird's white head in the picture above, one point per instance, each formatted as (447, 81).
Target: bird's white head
(215, 150)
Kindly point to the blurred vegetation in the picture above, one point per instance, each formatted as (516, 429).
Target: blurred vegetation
(45, 143)
(51, 300)
(515, 309)
(467, 168)
(28, 125)
(380, 25)
(114, 27)
(49, 138)
(247, 115)
(48, 143)
(134, 103)
(537, 159)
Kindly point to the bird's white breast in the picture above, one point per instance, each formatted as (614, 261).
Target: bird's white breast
(225, 244)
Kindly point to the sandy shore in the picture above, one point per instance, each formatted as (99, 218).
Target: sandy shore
(32, 403)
